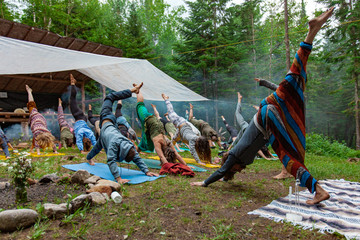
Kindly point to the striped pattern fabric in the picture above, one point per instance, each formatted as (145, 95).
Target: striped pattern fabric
(339, 214)
(282, 116)
(61, 118)
(37, 124)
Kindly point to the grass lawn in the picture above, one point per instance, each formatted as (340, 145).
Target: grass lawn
(169, 208)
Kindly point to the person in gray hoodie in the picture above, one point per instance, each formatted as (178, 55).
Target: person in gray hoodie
(117, 147)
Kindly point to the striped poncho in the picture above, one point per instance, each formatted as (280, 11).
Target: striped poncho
(282, 116)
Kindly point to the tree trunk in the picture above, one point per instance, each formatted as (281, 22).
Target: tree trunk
(287, 45)
(2, 10)
(356, 98)
(253, 43)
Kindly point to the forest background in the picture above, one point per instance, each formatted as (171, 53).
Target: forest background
(216, 48)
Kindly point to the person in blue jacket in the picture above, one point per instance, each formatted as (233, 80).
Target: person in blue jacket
(117, 147)
(84, 135)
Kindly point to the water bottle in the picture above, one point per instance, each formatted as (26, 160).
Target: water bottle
(116, 197)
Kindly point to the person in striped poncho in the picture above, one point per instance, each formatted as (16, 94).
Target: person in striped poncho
(280, 121)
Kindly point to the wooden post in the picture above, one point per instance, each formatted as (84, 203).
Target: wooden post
(83, 96)
(103, 91)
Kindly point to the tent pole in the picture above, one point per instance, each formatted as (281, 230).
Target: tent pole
(83, 96)
(103, 91)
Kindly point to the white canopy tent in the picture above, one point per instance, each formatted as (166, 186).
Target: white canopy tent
(23, 57)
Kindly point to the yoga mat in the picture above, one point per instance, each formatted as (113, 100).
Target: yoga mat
(156, 165)
(102, 170)
(184, 149)
(340, 213)
(34, 155)
(192, 161)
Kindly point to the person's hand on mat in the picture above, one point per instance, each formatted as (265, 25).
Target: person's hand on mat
(136, 88)
(82, 152)
(198, 184)
(151, 174)
(164, 96)
(201, 163)
(122, 181)
(191, 167)
(38, 151)
(56, 152)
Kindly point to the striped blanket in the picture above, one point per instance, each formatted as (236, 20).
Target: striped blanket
(341, 213)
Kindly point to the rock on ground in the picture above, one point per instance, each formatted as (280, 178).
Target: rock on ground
(80, 202)
(97, 198)
(4, 185)
(101, 189)
(56, 210)
(116, 186)
(92, 180)
(80, 176)
(48, 178)
(10, 220)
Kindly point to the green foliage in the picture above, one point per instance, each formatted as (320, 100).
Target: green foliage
(322, 145)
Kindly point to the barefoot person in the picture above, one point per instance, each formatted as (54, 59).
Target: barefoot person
(66, 136)
(83, 134)
(123, 124)
(272, 86)
(117, 147)
(42, 137)
(168, 126)
(5, 143)
(153, 135)
(281, 120)
(95, 121)
(198, 145)
(205, 128)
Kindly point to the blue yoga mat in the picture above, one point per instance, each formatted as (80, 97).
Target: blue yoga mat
(151, 163)
(102, 170)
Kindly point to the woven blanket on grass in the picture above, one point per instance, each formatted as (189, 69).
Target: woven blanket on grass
(340, 213)
(156, 165)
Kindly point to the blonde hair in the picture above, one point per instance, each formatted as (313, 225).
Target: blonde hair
(45, 139)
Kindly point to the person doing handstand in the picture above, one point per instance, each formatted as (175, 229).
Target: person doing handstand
(117, 147)
(83, 134)
(205, 129)
(281, 121)
(42, 137)
(66, 136)
(198, 145)
(153, 135)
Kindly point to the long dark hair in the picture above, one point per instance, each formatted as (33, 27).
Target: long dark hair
(87, 144)
(169, 153)
(202, 148)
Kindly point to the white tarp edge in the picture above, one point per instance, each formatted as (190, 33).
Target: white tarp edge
(22, 57)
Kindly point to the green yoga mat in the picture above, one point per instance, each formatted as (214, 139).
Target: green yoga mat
(156, 165)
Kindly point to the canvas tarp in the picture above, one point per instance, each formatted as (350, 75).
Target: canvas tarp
(22, 57)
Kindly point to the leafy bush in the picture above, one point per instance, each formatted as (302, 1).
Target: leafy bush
(322, 145)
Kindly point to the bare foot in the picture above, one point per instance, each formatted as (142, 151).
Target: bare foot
(153, 106)
(191, 106)
(283, 175)
(136, 88)
(72, 80)
(164, 96)
(28, 89)
(222, 117)
(239, 96)
(256, 107)
(317, 22)
(320, 195)
(120, 102)
(257, 79)
(90, 107)
(197, 184)
(60, 102)
(91, 162)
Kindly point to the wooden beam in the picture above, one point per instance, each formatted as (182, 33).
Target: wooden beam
(14, 120)
(36, 78)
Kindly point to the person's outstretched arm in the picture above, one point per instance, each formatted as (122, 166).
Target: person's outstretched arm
(94, 151)
(265, 83)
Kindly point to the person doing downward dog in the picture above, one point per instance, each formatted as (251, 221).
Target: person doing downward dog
(198, 145)
(153, 135)
(5, 143)
(281, 121)
(124, 125)
(205, 128)
(117, 147)
(83, 134)
(42, 137)
(66, 136)
(95, 121)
